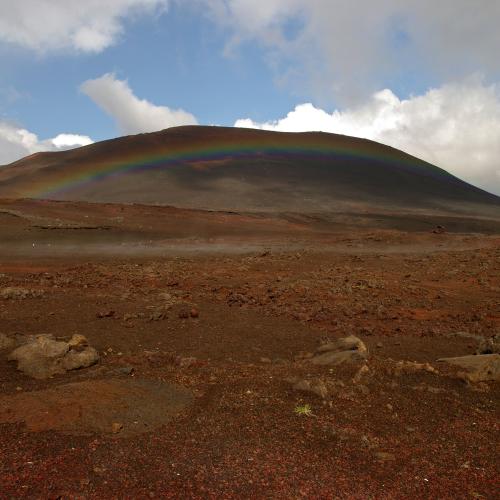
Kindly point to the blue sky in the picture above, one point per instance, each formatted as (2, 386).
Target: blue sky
(177, 60)
(403, 75)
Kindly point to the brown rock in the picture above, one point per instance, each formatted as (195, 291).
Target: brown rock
(337, 358)
(43, 356)
(319, 388)
(347, 349)
(116, 427)
(13, 293)
(194, 313)
(478, 368)
(187, 362)
(360, 373)
(157, 316)
(490, 345)
(83, 359)
(351, 343)
(316, 387)
(105, 314)
(413, 367)
(383, 456)
(6, 342)
(77, 341)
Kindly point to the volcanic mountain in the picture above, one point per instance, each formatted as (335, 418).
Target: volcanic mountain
(218, 168)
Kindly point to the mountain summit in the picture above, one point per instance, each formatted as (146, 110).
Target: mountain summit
(218, 168)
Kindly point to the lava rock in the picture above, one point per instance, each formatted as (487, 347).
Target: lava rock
(347, 349)
(490, 345)
(6, 342)
(478, 368)
(316, 387)
(42, 357)
(13, 293)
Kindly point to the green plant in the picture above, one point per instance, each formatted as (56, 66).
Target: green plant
(304, 410)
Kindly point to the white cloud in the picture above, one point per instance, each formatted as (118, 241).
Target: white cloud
(456, 127)
(346, 50)
(132, 115)
(71, 140)
(87, 26)
(16, 142)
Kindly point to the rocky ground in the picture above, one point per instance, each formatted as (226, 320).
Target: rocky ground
(207, 381)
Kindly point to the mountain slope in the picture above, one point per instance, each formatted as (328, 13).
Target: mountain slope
(244, 170)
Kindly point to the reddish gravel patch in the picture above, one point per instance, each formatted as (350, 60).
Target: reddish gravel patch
(93, 406)
(212, 386)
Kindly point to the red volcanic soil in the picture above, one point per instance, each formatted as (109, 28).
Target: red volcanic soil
(202, 318)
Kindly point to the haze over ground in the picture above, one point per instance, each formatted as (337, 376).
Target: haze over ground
(416, 75)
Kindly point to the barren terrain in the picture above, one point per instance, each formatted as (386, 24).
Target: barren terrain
(206, 324)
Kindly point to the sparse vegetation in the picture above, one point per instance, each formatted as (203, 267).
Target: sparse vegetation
(305, 410)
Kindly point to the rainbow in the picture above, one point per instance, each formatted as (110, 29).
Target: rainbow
(83, 173)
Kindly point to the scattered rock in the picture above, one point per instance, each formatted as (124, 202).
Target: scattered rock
(360, 373)
(316, 387)
(490, 345)
(405, 367)
(78, 341)
(280, 361)
(363, 389)
(464, 335)
(105, 314)
(83, 359)
(6, 342)
(303, 355)
(351, 343)
(186, 362)
(383, 456)
(12, 293)
(125, 370)
(116, 427)
(43, 356)
(157, 316)
(346, 349)
(478, 368)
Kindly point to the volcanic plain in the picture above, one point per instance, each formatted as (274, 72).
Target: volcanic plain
(220, 369)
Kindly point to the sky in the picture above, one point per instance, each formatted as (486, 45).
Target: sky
(419, 75)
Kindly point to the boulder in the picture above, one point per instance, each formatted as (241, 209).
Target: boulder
(42, 356)
(478, 368)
